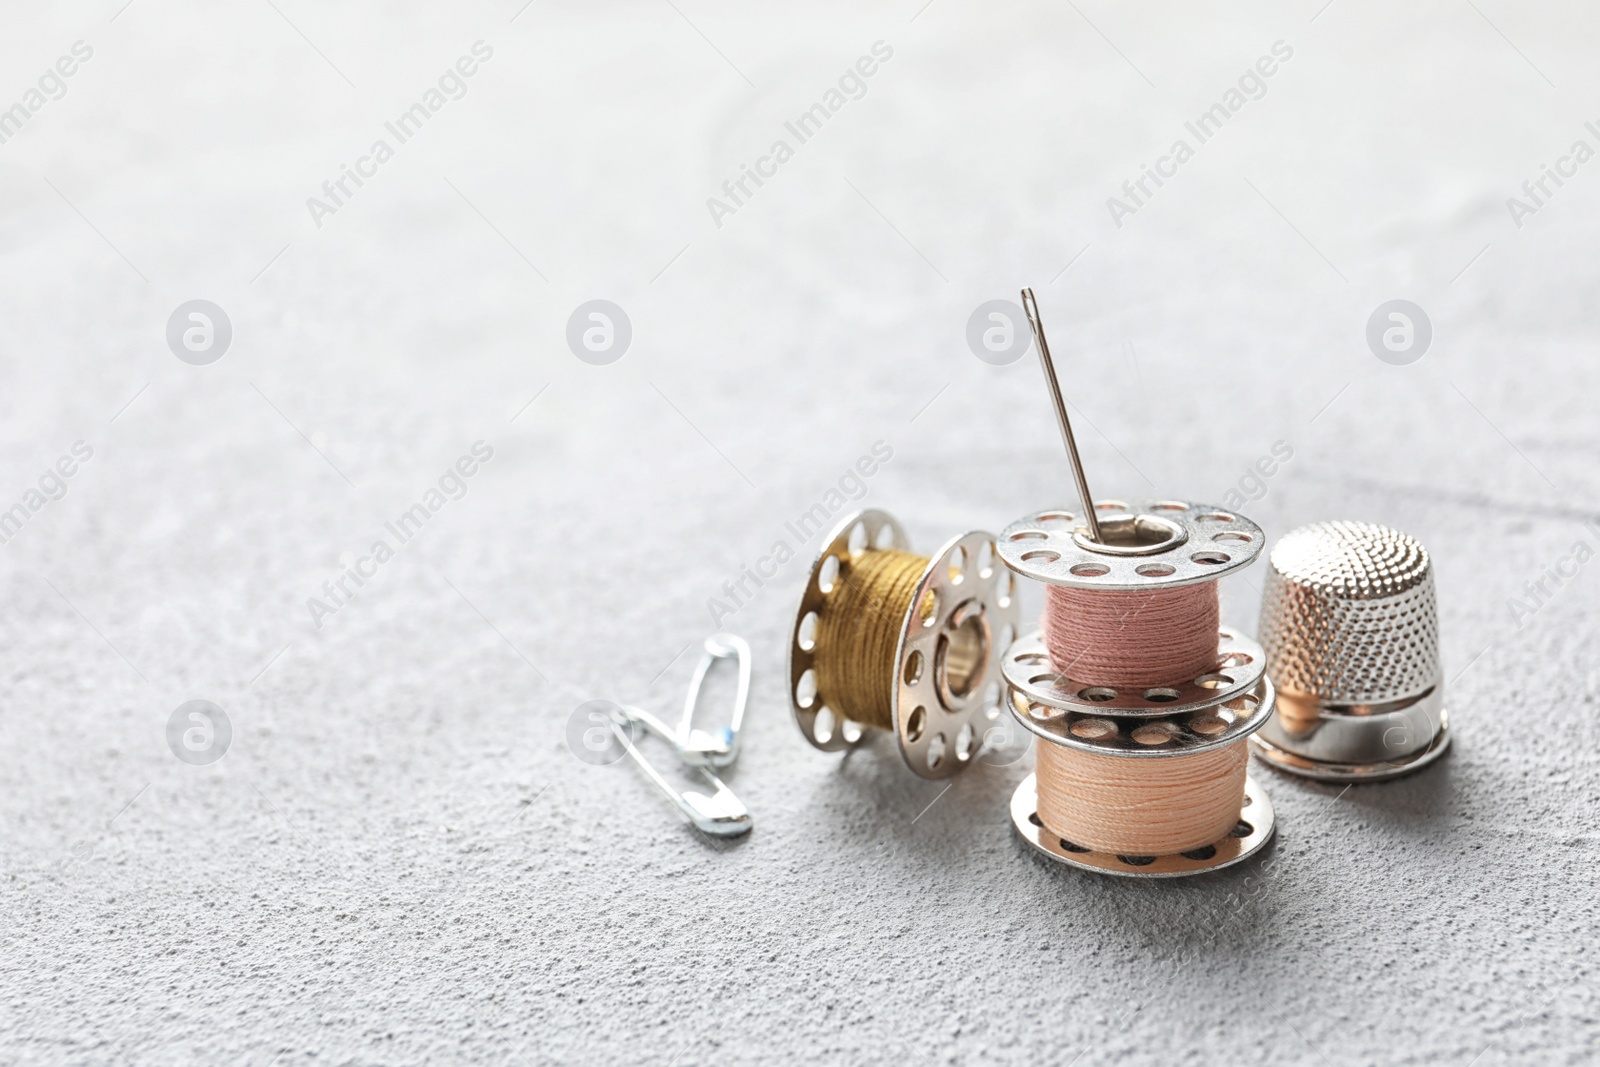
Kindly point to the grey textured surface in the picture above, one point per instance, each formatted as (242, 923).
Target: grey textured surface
(399, 860)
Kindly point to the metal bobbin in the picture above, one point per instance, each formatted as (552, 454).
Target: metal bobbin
(1350, 625)
(1253, 830)
(1226, 715)
(945, 688)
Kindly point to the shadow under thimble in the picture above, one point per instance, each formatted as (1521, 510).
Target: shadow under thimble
(1350, 626)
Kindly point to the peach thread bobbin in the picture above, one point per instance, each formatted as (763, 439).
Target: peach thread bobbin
(1110, 742)
(887, 640)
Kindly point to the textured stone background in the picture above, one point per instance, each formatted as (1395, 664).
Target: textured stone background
(399, 859)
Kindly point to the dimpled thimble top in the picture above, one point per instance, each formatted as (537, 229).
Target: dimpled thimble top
(1349, 615)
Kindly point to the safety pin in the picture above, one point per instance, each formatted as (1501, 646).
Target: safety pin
(719, 747)
(721, 814)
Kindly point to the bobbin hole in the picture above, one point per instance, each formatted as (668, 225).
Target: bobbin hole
(1044, 712)
(1032, 659)
(1213, 681)
(1169, 505)
(1033, 817)
(1137, 861)
(1090, 570)
(805, 635)
(928, 608)
(991, 701)
(913, 670)
(1110, 505)
(1241, 829)
(1232, 537)
(828, 573)
(1215, 516)
(1211, 558)
(1094, 729)
(1162, 695)
(1236, 659)
(1029, 535)
(1155, 570)
(964, 743)
(1043, 555)
(1132, 535)
(1204, 852)
(858, 539)
(958, 565)
(962, 655)
(916, 723)
(1208, 725)
(1155, 733)
(885, 538)
(805, 690)
(1055, 516)
(936, 749)
(1098, 693)
(986, 560)
(1068, 846)
(822, 726)
(850, 731)
(1004, 587)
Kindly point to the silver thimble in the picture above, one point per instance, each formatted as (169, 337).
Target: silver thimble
(1350, 626)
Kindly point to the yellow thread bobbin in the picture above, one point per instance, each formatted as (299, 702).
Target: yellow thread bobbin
(885, 639)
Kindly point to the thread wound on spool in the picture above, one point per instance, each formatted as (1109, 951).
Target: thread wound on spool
(1130, 639)
(1140, 807)
(858, 632)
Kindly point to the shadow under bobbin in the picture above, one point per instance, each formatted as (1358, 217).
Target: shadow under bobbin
(1147, 546)
(941, 687)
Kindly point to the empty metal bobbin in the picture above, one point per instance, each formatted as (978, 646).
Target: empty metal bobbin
(945, 690)
(1350, 626)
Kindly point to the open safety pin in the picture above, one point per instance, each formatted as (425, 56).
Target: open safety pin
(721, 814)
(719, 747)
